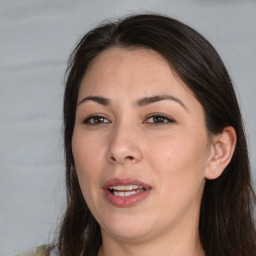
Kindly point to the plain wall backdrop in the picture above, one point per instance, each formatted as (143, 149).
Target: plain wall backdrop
(36, 38)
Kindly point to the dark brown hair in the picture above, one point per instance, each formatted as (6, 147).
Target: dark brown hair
(226, 222)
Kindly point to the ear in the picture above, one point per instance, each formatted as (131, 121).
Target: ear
(222, 149)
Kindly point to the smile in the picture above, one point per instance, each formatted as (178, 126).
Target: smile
(125, 191)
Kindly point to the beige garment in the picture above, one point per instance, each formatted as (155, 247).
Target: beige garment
(39, 251)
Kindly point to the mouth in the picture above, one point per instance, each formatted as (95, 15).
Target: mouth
(124, 191)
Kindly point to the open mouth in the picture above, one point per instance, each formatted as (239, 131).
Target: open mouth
(127, 190)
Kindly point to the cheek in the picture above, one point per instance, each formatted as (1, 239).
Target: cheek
(179, 161)
(179, 172)
(87, 162)
(86, 150)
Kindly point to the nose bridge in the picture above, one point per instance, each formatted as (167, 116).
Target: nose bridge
(123, 144)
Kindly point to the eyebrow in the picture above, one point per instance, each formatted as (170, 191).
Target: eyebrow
(141, 102)
(149, 100)
(98, 99)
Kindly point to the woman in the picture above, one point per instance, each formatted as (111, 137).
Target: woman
(156, 156)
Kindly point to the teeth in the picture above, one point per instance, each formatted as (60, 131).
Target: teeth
(124, 194)
(129, 187)
(128, 190)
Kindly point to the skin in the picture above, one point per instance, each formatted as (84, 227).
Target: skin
(173, 154)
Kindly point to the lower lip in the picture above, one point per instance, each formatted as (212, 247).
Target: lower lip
(126, 201)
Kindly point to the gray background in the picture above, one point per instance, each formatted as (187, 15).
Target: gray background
(36, 38)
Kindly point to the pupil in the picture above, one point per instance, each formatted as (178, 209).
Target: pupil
(98, 120)
(158, 119)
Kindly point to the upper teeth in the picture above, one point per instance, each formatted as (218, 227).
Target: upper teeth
(129, 187)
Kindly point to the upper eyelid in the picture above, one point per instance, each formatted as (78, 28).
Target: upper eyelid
(147, 117)
(94, 115)
(160, 115)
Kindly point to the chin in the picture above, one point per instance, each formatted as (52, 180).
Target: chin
(129, 235)
(127, 229)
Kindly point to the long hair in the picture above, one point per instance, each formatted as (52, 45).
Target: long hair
(226, 223)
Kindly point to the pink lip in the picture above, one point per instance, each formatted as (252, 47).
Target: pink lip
(127, 201)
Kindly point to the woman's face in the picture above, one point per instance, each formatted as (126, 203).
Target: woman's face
(140, 146)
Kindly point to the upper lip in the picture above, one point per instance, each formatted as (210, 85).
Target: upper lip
(125, 182)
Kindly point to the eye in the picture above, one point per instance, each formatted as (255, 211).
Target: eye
(159, 119)
(96, 120)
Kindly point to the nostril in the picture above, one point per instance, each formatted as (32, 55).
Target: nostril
(127, 158)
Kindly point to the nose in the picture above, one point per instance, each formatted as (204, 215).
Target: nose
(124, 146)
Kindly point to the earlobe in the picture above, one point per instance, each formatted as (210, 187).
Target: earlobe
(222, 149)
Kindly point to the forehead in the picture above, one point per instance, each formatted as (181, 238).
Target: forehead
(126, 60)
(124, 76)
(136, 68)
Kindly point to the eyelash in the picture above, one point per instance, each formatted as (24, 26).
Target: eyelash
(88, 120)
(159, 119)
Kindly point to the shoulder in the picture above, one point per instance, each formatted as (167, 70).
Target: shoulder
(38, 251)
